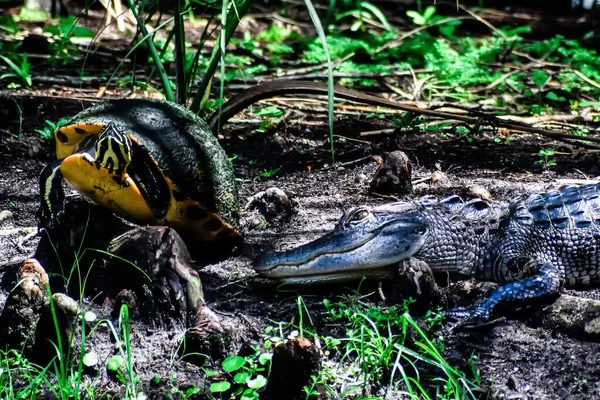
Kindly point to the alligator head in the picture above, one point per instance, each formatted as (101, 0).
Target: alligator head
(365, 242)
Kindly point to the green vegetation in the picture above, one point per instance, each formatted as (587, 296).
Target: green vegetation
(386, 347)
(546, 158)
(246, 375)
(47, 132)
(434, 60)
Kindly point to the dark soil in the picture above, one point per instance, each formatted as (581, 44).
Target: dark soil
(517, 359)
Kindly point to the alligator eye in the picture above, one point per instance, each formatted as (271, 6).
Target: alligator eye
(359, 215)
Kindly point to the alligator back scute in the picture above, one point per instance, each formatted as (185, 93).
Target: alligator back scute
(537, 208)
(556, 209)
(476, 210)
(428, 201)
(577, 208)
(591, 195)
(453, 203)
(520, 213)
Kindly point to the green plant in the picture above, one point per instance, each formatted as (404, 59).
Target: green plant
(16, 368)
(248, 375)
(272, 117)
(47, 132)
(377, 341)
(62, 50)
(546, 158)
(122, 364)
(362, 12)
(311, 390)
(321, 32)
(422, 19)
(20, 67)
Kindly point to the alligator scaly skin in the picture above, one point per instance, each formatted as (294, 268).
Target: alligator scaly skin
(534, 245)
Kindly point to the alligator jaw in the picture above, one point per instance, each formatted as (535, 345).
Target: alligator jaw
(342, 256)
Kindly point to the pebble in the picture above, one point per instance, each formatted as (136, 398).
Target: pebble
(5, 215)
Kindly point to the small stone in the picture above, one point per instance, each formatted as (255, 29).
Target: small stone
(478, 191)
(279, 140)
(438, 177)
(360, 178)
(575, 316)
(22, 310)
(271, 204)
(394, 174)
(5, 215)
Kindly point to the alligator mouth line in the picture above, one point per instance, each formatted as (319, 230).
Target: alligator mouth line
(287, 258)
(327, 259)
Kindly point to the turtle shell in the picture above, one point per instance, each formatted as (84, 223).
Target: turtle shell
(181, 145)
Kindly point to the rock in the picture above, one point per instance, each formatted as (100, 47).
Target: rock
(394, 175)
(292, 365)
(5, 215)
(438, 177)
(419, 276)
(208, 338)
(478, 191)
(413, 279)
(152, 269)
(574, 316)
(270, 205)
(148, 267)
(21, 312)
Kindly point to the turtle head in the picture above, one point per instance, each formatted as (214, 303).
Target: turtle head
(113, 149)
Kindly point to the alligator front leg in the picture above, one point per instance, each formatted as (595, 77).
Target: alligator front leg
(547, 283)
(52, 195)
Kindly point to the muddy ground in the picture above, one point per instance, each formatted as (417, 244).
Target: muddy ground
(518, 359)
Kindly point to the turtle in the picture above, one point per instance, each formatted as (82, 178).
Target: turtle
(150, 161)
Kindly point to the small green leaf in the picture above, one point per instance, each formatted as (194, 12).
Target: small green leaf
(90, 359)
(241, 377)
(249, 394)
(192, 391)
(219, 387)
(270, 173)
(539, 77)
(233, 363)
(416, 17)
(114, 363)
(264, 358)
(257, 383)
(429, 11)
(89, 316)
(270, 111)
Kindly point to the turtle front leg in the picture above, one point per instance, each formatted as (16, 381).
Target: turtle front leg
(52, 196)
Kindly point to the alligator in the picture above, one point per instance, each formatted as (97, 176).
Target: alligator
(532, 246)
